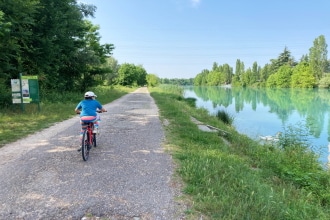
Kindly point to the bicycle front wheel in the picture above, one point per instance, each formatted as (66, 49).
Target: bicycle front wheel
(85, 146)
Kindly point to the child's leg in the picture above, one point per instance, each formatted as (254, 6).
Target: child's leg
(83, 129)
(97, 124)
(97, 121)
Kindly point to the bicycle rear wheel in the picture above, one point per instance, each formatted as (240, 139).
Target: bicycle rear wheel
(85, 146)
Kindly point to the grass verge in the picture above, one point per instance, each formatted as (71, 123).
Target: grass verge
(238, 178)
(15, 124)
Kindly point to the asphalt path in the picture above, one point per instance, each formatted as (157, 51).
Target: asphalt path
(128, 176)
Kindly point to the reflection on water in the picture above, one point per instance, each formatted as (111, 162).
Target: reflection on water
(262, 112)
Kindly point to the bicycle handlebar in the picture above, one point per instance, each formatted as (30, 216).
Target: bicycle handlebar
(98, 111)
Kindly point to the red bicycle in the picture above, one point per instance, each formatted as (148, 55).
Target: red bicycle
(88, 140)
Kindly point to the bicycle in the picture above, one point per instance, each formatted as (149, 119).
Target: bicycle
(88, 140)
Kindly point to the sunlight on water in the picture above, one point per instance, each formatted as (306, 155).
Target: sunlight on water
(264, 112)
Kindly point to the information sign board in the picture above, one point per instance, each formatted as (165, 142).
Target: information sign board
(25, 90)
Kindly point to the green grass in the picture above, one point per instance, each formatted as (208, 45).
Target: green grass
(242, 179)
(236, 178)
(15, 124)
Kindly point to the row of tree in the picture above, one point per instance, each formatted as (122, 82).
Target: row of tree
(284, 71)
(177, 81)
(51, 39)
(54, 40)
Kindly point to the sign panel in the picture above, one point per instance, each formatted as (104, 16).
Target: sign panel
(34, 90)
(25, 90)
(16, 91)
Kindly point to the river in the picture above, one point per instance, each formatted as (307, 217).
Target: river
(264, 112)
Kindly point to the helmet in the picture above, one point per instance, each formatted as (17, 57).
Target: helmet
(90, 94)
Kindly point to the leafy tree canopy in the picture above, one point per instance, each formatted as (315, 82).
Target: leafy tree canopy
(152, 80)
(302, 76)
(131, 75)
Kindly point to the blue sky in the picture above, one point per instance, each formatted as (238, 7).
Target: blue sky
(180, 38)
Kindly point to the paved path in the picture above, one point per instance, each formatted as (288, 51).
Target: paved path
(128, 176)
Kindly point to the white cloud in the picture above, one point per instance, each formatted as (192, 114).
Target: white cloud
(195, 3)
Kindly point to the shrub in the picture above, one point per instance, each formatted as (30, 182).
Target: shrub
(5, 97)
(324, 82)
(225, 117)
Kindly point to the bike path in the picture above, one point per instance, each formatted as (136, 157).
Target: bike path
(128, 176)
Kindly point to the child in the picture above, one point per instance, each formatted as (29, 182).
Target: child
(87, 109)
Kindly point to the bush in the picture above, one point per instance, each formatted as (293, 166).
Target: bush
(5, 97)
(324, 82)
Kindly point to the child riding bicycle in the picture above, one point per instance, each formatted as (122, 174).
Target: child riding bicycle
(87, 109)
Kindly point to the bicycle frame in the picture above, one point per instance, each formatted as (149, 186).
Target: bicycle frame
(88, 140)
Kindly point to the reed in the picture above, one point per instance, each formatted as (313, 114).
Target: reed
(225, 117)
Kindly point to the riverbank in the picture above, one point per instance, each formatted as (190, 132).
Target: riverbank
(306, 110)
(237, 178)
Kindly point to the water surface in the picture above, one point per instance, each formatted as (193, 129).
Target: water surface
(263, 112)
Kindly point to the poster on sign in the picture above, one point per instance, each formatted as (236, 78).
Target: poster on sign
(26, 91)
(16, 91)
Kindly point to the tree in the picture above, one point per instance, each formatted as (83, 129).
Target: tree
(271, 81)
(239, 71)
(59, 33)
(215, 66)
(112, 67)
(131, 75)
(4, 88)
(215, 78)
(201, 78)
(304, 58)
(282, 78)
(17, 24)
(236, 78)
(228, 73)
(91, 57)
(254, 73)
(165, 81)
(264, 73)
(246, 77)
(152, 80)
(302, 76)
(141, 75)
(51, 39)
(69, 52)
(318, 57)
(325, 82)
(284, 58)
